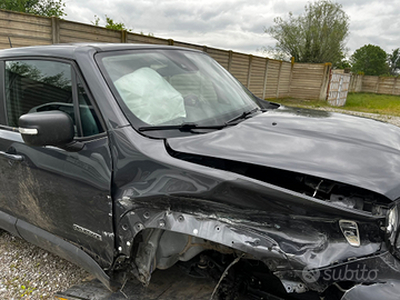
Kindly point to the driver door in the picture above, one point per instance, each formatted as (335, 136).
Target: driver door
(64, 193)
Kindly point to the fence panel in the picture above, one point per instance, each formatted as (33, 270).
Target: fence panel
(187, 45)
(239, 67)
(272, 78)
(385, 85)
(145, 39)
(396, 87)
(307, 81)
(355, 83)
(72, 32)
(256, 81)
(284, 79)
(24, 30)
(221, 56)
(375, 84)
(370, 84)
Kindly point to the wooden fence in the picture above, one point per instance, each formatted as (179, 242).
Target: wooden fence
(266, 78)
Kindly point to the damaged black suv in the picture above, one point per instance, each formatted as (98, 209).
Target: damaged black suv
(130, 158)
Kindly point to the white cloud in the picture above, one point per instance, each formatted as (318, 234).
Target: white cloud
(236, 24)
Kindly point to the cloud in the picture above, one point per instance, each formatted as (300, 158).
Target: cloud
(236, 24)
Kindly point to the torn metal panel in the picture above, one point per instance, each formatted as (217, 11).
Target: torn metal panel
(281, 246)
(318, 143)
(282, 226)
(389, 290)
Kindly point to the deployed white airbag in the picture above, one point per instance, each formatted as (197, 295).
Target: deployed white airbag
(150, 97)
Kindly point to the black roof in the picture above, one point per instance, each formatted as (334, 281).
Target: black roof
(69, 50)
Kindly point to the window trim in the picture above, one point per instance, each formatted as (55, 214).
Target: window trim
(79, 77)
(3, 114)
(75, 102)
(75, 76)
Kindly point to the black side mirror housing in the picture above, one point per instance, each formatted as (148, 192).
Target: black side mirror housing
(49, 128)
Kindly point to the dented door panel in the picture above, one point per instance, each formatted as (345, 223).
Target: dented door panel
(65, 193)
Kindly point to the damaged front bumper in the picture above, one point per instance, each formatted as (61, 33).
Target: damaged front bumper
(305, 254)
(388, 290)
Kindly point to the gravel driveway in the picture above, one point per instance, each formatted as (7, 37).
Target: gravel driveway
(28, 272)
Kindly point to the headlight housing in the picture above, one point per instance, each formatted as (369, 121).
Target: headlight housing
(392, 225)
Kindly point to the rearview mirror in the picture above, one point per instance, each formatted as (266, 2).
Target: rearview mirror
(49, 128)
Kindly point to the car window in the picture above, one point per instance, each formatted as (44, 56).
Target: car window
(171, 87)
(89, 121)
(39, 85)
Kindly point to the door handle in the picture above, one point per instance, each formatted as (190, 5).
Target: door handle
(14, 157)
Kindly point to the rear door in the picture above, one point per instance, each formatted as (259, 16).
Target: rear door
(63, 192)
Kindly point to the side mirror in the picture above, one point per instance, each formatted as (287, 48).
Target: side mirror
(49, 128)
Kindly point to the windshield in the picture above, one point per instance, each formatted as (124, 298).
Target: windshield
(173, 87)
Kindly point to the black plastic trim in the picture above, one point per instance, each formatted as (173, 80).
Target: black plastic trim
(64, 249)
(7, 222)
(3, 114)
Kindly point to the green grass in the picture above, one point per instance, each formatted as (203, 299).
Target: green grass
(364, 102)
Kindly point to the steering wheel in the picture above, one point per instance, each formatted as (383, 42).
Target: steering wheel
(191, 100)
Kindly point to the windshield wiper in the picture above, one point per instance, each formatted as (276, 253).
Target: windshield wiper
(189, 126)
(186, 126)
(244, 115)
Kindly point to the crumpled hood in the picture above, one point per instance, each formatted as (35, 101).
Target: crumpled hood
(343, 148)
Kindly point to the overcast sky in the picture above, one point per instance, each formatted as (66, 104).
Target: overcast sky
(236, 24)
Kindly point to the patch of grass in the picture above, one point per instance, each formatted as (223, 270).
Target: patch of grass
(374, 103)
(363, 102)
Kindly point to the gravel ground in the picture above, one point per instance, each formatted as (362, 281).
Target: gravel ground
(28, 272)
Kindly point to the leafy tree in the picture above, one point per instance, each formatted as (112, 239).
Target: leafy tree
(370, 59)
(28, 71)
(394, 62)
(47, 8)
(344, 64)
(316, 36)
(110, 23)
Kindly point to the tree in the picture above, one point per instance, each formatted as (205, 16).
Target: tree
(370, 60)
(343, 64)
(316, 36)
(394, 62)
(110, 24)
(47, 8)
